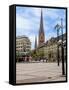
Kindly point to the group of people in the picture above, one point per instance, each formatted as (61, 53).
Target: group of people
(30, 59)
(25, 58)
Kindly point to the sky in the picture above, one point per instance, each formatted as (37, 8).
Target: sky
(28, 22)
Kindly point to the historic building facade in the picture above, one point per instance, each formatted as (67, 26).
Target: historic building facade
(23, 45)
(48, 49)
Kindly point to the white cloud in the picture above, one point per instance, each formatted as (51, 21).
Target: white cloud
(23, 23)
(36, 11)
(28, 21)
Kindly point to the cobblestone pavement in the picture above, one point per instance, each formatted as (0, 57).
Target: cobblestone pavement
(38, 72)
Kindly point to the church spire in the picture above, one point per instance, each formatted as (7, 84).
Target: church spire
(35, 42)
(41, 31)
(41, 23)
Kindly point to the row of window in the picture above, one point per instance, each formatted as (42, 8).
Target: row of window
(23, 50)
(23, 46)
(20, 43)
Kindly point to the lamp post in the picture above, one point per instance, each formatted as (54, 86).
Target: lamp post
(63, 71)
(57, 27)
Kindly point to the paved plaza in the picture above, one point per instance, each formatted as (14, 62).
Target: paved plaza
(38, 72)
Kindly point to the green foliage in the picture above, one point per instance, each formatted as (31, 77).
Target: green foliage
(37, 54)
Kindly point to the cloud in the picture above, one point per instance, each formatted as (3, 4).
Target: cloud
(28, 21)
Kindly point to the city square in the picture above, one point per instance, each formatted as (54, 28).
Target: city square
(38, 72)
(40, 48)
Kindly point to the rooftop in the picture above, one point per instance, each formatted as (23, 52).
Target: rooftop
(23, 36)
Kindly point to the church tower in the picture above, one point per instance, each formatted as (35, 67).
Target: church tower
(41, 31)
(35, 42)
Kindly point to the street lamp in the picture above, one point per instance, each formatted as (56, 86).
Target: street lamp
(58, 27)
(63, 71)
